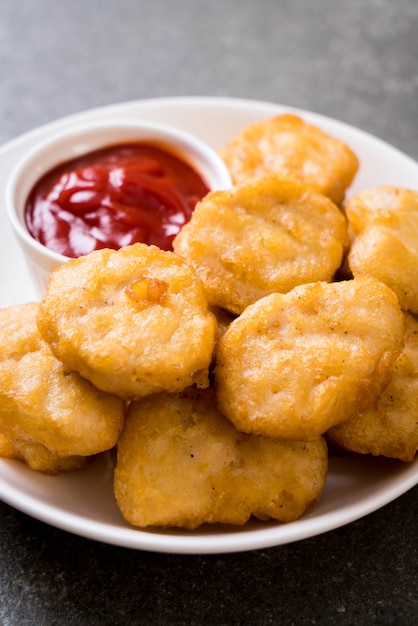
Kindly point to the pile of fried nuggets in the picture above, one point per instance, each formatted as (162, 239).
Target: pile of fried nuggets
(284, 321)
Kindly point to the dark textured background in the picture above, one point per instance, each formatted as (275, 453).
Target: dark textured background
(356, 60)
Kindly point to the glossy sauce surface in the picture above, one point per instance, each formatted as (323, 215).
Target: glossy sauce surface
(114, 197)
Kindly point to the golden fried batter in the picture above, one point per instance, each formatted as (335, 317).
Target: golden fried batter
(39, 458)
(391, 428)
(256, 239)
(133, 321)
(287, 146)
(293, 365)
(384, 221)
(181, 463)
(49, 416)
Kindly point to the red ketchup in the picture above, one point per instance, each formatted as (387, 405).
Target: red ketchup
(114, 197)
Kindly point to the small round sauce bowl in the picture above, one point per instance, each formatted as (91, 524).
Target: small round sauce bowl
(79, 140)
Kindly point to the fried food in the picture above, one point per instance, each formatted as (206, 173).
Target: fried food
(223, 319)
(39, 458)
(181, 463)
(391, 428)
(49, 417)
(287, 146)
(256, 239)
(384, 222)
(133, 321)
(294, 365)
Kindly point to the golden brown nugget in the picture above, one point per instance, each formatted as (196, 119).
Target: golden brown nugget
(133, 321)
(39, 458)
(287, 146)
(267, 236)
(384, 222)
(391, 428)
(47, 413)
(181, 463)
(294, 365)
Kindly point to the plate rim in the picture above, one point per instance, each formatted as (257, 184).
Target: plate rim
(178, 542)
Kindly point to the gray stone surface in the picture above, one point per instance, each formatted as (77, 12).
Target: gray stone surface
(356, 60)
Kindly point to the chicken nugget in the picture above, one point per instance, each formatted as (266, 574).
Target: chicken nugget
(384, 221)
(39, 458)
(269, 235)
(391, 428)
(294, 365)
(133, 321)
(286, 145)
(181, 463)
(49, 417)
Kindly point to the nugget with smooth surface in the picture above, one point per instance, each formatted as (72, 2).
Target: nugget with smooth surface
(181, 463)
(133, 321)
(286, 145)
(391, 428)
(49, 416)
(267, 236)
(294, 365)
(384, 221)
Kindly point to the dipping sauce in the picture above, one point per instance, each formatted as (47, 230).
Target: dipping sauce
(114, 197)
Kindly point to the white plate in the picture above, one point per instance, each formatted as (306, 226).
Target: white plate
(82, 502)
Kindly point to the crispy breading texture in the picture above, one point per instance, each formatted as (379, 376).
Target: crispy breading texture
(384, 221)
(49, 417)
(181, 463)
(133, 321)
(294, 365)
(286, 145)
(391, 428)
(269, 235)
(39, 458)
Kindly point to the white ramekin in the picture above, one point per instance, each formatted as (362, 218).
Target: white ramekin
(78, 140)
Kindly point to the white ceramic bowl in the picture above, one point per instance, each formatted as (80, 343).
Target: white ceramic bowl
(77, 140)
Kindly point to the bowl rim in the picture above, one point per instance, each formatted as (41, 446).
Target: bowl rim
(184, 144)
